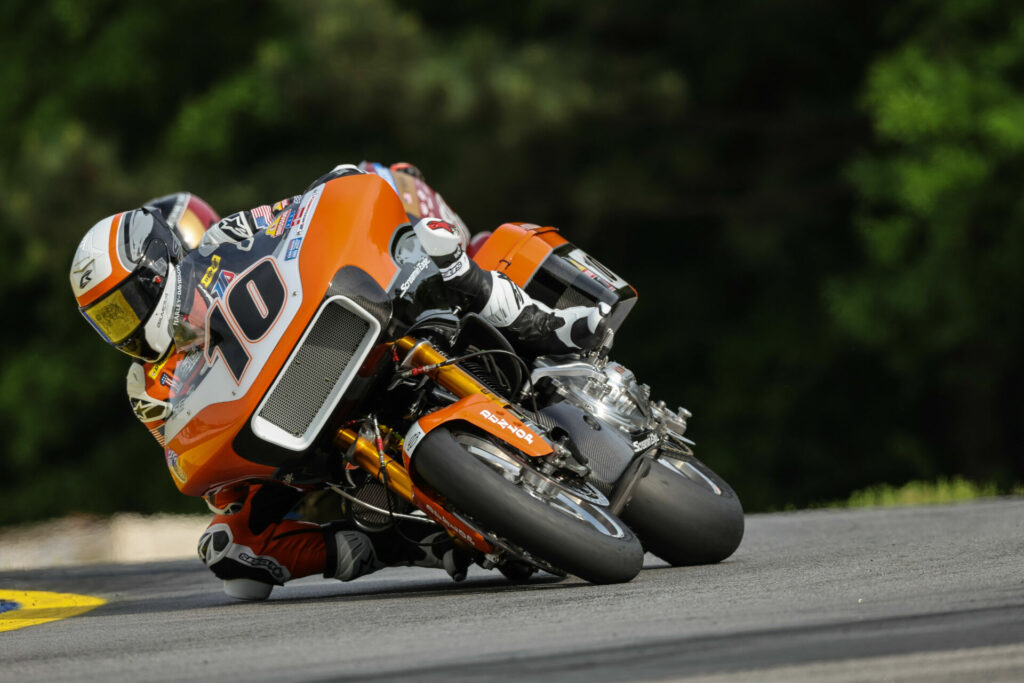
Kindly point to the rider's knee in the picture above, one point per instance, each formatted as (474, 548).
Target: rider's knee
(229, 560)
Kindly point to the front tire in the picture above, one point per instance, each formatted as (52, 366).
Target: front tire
(685, 513)
(569, 533)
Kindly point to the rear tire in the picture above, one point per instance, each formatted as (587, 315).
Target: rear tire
(679, 516)
(534, 524)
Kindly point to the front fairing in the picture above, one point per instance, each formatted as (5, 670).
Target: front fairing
(244, 307)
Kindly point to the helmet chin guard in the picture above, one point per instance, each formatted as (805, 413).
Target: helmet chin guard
(157, 330)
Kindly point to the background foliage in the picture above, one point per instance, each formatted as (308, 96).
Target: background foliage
(820, 204)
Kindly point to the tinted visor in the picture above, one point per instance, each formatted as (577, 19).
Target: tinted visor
(119, 317)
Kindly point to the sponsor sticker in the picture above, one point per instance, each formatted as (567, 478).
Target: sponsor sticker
(644, 444)
(174, 466)
(419, 268)
(505, 424)
(277, 228)
(413, 438)
(293, 248)
(261, 216)
(236, 226)
(223, 281)
(154, 371)
(210, 272)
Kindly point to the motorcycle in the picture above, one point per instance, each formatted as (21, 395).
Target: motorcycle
(323, 353)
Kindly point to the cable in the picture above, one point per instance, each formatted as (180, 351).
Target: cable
(423, 369)
(379, 445)
(345, 494)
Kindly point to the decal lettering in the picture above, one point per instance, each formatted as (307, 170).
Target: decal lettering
(420, 267)
(253, 305)
(644, 444)
(443, 519)
(505, 424)
(272, 567)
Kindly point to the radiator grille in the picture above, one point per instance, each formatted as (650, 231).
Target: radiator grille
(315, 370)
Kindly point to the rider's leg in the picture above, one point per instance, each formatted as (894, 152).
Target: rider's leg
(251, 548)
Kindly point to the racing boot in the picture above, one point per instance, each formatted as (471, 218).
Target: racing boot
(530, 325)
(439, 550)
(351, 554)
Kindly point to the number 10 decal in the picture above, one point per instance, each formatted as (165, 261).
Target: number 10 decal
(249, 308)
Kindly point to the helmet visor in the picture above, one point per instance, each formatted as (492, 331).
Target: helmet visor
(120, 315)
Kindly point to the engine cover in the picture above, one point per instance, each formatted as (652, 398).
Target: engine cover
(607, 449)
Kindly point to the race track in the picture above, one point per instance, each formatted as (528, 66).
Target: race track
(913, 594)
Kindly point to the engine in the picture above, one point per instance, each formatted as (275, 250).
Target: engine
(611, 394)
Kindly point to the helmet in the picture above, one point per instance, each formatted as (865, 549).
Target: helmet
(188, 215)
(123, 273)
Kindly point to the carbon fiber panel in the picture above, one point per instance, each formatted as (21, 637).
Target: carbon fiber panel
(608, 453)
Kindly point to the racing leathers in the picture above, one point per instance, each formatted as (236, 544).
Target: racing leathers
(251, 543)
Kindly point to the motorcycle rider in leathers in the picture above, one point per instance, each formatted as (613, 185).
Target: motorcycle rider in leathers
(250, 544)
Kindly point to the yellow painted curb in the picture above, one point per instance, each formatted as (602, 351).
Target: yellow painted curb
(19, 609)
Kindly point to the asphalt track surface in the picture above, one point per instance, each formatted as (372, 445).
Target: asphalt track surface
(912, 594)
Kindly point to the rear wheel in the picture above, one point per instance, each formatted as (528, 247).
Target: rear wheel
(685, 513)
(566, 526)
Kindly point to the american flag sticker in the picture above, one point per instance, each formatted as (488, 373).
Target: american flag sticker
(261, 216)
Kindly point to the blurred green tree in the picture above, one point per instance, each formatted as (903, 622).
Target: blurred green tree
(939, 215)
(697, 148)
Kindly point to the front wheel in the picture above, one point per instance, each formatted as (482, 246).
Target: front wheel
(685, 513)
(555, 524)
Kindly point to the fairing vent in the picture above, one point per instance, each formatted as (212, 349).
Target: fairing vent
(316, 376)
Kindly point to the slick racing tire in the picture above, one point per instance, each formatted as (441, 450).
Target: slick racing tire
(569, 532)
(684, 513)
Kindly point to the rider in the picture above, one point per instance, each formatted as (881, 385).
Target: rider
(124, 277)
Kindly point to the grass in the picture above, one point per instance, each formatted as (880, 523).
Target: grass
(942, 491)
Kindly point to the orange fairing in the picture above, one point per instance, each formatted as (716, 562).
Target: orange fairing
(518, 249)
(352, 224)
(355, 217)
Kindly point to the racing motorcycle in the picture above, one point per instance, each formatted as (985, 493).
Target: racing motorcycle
(324, 354)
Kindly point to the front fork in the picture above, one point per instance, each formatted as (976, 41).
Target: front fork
(418, 358)
(421, 358)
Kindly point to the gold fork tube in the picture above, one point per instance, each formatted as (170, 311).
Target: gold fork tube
(365, 455)
(451, 377)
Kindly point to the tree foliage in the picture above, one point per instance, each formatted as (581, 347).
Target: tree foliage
(939, 217)
(816, 202)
